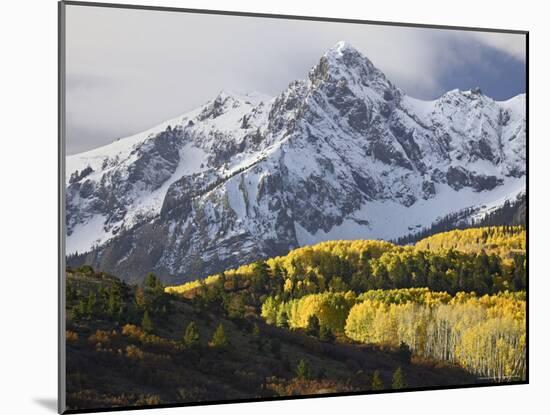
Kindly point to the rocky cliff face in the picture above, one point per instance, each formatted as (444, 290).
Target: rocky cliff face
(343, 154)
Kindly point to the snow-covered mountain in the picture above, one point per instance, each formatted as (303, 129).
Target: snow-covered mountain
(343, 154)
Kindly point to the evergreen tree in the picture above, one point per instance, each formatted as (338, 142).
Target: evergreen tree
(260, 275)
(146, 323)
(398, 379)
(191, 338)
(325, 334)
(313, 326)
(219, 339)
(282, 320)
(302, 370)
(277, 280)
(71, 293)
(102, 300)
(154, 297)
(216, 292)
(405, 353)
(151, 282)
(114, 303)
(359, 283)
(377, 383)
(80, 309)
(91, 304)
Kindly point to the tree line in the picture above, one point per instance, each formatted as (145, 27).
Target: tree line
(484, 260)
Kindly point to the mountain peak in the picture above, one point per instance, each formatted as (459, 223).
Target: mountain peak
(342, 46)
(344, 50)
(343, 62)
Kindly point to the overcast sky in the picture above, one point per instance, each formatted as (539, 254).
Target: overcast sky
(128, 70)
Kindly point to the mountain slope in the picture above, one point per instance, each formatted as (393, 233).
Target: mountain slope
(343, 154)
(113, 362)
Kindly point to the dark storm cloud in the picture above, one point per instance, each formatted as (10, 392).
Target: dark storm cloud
(128, 70)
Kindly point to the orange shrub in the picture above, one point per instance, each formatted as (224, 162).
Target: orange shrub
(71, 336)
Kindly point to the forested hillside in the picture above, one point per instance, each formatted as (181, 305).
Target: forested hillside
(457, 296)
(484, 260)
(485, 335)
(340, 316)
(137, 345)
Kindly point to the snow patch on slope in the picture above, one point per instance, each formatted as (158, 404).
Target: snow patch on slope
(390, 220)
(86, 235)
(149, 204)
